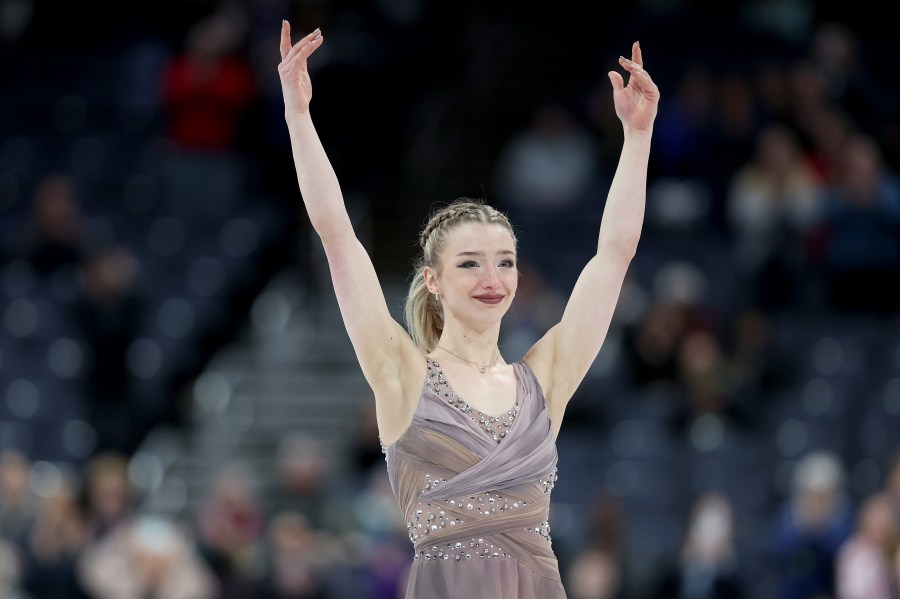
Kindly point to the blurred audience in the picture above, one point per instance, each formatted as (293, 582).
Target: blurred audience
(106, 310)
(866, 565)
(860, 226)
(229, 530)
(811, 527)
(109, 496)
(771, 204)
(545, 178)
(18, 505)
(296, 560)
(54, 235)
(709, 563)
(55, 543)
(147, 558)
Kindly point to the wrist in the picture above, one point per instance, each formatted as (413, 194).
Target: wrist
(633, 133)
(297, 117)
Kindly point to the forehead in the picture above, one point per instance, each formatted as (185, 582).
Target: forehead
(475, 237)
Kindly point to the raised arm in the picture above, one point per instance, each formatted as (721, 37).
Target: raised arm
(562, 357)
(381, 344)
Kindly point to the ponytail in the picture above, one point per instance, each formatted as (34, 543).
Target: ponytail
(424, 314)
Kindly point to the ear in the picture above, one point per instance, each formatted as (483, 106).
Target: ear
(430, 279)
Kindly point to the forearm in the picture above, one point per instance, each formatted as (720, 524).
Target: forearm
(623, 215)
(319, 185)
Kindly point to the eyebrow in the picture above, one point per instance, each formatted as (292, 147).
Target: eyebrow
(500, 253)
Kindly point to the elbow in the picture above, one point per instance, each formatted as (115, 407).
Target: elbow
(625, 248)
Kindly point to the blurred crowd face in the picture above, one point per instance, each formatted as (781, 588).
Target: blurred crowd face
(14, 468)
(818, 489)
(56, 211)
(109, 488)
(861, 171)
(877, 522)
(710, 537)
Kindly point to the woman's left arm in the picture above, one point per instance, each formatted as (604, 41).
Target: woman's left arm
(562, 357)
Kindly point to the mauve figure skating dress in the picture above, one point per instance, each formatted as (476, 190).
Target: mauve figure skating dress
(475, 492)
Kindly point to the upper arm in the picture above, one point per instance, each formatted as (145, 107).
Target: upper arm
(383, 347)
(562, 357)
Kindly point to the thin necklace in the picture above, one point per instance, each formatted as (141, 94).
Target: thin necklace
(480, 367)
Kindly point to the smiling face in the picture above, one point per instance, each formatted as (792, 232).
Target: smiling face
(477, 274)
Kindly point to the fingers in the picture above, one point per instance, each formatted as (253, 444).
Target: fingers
(285, 38)
(617, 82)
(306, 46)
(636, 54)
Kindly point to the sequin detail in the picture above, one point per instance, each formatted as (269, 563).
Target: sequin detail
(549, 482)
(460, 550)
(542, 531)
(496, 426)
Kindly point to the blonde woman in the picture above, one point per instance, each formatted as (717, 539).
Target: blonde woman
(470, 439)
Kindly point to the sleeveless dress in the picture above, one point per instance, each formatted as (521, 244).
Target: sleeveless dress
(475, 492)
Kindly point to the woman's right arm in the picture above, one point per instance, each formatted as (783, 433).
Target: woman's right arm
(384, 348)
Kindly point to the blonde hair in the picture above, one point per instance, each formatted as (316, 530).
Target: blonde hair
(424, 314)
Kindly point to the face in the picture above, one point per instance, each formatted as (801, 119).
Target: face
(478, 275)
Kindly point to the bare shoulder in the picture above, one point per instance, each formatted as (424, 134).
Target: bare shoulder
(541, 360)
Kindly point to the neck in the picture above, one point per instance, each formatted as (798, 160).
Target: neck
(477, 346)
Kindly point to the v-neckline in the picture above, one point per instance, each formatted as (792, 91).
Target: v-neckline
(515, 409)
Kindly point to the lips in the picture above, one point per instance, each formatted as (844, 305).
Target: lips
(489, 299)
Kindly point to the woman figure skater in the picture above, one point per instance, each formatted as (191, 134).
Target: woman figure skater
(469, 439)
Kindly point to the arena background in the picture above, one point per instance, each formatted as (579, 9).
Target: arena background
(181, 412)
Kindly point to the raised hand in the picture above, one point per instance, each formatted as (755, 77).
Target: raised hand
(636, 102)
(296, 85)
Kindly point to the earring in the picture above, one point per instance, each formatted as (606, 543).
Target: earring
(437, 297)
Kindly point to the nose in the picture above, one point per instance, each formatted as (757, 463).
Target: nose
(492, 277)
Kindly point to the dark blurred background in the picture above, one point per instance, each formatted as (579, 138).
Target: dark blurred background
(182, 415)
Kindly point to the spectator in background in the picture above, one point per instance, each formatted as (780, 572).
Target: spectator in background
(303, 477)
(230, 525)
(709, 564)
(860, 226)
(866, 563)
(594, 574)
(545, 174)
(772, 202)
(892, 484)
(829, 134)
(55, 541)
(18, 506)
(109, 495)
(600, 570)
(54, 233)
(296, 560)
(208, 90)
(9, 572)
(737, 125)
(811, 527)
(107, 311)
(848, 76)
(148, 558)
(707, 383)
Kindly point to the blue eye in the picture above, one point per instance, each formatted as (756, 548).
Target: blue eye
(507, 263)
(468, 264)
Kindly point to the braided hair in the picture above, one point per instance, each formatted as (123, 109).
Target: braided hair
(424, 314)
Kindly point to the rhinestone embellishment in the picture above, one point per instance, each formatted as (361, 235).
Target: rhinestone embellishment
(496, 426)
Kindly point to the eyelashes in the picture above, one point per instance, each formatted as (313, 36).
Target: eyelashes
(471, 263)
